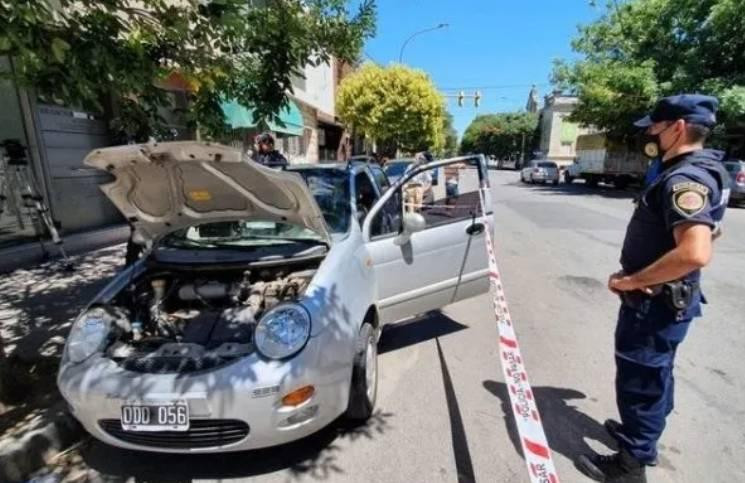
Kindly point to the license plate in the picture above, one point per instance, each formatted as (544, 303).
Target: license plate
(173, 416)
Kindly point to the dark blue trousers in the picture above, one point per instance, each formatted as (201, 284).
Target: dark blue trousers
(646, 340)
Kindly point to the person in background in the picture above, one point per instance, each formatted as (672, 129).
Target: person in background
(418, 185)
(266, 154)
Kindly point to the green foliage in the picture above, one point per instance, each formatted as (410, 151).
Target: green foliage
(396, 106)
(643, 49)
(503, 135)
(450, 148)
(83, 52)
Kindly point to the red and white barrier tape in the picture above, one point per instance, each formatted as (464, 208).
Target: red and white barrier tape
(532, 437)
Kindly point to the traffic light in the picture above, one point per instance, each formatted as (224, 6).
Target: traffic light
(476, 98)
(461, 96)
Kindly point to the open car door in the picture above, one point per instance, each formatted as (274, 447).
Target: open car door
(426, 242)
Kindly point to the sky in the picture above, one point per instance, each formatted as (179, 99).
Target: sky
(501, 47)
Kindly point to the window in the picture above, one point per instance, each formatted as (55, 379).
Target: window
(365, 195)
(380, 178)
(455, 199)
(547, 165)
(330, 188)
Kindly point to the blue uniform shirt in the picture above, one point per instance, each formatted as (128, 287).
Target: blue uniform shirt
(692, 188)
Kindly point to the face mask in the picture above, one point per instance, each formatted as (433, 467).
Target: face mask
(652, 145)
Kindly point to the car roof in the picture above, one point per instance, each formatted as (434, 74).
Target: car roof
(319, 165)
(355, 166)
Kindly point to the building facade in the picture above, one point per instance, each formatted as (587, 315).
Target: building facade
(57, 139)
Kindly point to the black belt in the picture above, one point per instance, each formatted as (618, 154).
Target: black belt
(678, 295)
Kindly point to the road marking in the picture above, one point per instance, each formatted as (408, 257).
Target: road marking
(536, 450)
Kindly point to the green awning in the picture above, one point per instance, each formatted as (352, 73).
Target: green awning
(239, 116)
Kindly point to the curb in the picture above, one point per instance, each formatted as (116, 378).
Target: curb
(19, 459)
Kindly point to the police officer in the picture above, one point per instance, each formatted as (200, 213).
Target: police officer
(668, 241)
(266, 154)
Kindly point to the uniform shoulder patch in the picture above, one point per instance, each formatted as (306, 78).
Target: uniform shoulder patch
(689, 198)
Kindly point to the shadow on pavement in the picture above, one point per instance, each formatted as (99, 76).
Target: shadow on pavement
(37, 307)
(312, 457)
(581, 189)
(566, 427)
(415, 331)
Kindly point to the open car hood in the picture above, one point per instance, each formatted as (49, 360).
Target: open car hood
(163, 187)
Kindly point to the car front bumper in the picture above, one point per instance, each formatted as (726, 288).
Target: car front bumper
(247, 392)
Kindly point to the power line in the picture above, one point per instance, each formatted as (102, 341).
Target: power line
(490, 87)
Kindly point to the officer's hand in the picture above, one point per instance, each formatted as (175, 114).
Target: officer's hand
(623, 283)
(611, 281)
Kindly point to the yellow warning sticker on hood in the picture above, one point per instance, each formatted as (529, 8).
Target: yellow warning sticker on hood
(200, 195)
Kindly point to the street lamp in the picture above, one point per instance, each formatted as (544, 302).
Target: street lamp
(438, 27)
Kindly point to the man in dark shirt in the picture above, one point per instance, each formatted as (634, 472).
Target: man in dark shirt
(668, 241)
(266, 154)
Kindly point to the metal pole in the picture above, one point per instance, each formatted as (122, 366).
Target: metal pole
(401, 54)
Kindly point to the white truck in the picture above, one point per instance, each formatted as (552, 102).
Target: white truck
(601, 160)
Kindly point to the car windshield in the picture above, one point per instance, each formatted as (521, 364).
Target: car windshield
(733, 167)
(547, 165)
(396, 169)
(330, 188)
(237, 234)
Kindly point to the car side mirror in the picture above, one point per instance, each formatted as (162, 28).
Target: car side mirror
(412, 223)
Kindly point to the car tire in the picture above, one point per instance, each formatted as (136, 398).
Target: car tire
(555, 182)
(364, 387)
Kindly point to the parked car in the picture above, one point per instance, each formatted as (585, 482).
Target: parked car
(507, 164)
(253, 318)
(396, 168)
(540, 171)
(736, 169)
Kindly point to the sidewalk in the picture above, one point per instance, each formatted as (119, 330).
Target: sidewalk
(30, 252)
(37, 307)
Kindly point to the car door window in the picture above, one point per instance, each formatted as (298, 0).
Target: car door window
(365, 195)
(454, 200)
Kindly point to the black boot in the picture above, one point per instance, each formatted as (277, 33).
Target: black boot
(616, 468)
(614, 428)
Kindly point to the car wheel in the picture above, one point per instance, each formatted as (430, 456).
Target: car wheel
(364, 389)
(556, 182)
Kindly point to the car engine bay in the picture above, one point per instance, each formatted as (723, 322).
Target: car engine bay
(185, 320)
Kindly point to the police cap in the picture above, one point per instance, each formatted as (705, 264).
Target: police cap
(692, 108)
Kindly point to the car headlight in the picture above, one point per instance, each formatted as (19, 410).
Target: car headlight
(283, 331)
(88, 334)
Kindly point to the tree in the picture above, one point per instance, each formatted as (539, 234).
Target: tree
(85, 52)
(396, 106)
(643, 49)
(450, 147)
(503, 135)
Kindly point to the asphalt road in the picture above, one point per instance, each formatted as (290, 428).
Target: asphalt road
(443, 410)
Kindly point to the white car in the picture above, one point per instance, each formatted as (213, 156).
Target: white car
(540, 171)
(253, 318)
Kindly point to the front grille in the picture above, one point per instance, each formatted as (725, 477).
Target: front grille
(202, 433)
(170, 365)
